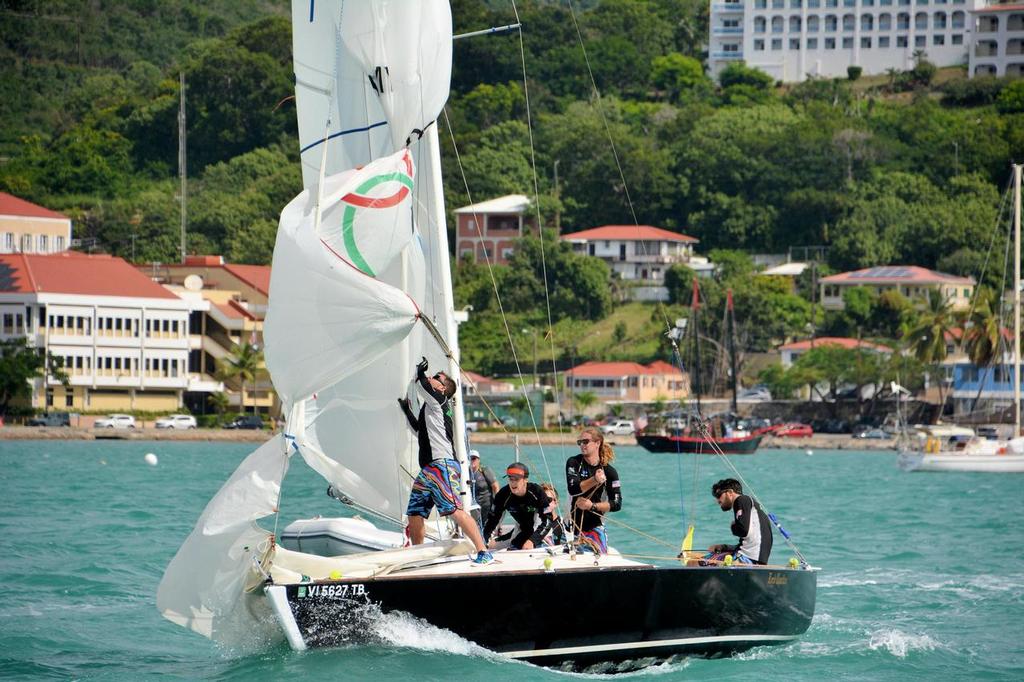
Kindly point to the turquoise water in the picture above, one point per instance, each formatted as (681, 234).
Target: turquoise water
(921, 573)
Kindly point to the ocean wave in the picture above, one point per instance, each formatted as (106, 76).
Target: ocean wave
(402, 629)
(899, 643)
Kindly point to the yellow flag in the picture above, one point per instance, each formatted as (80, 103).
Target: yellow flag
(688, 540)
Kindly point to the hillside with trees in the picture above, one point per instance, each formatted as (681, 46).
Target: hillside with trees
(907, 168)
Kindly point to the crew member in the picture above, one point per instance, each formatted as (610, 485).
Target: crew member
(750, 524)
(528, 505)
(594, 489)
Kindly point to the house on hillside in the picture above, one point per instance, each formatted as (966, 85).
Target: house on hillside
(790, 352)
(487, 231)
(639, 255)
(626, 383)
(29, 228)
(911, 281)
(124, 340)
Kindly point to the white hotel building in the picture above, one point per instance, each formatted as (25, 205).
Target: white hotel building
(998, 48)
(793, 39)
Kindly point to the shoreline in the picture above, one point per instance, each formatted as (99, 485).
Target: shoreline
(821, 441)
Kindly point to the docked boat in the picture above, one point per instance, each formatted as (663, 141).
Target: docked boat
(697, 445)
(957, 448)
(945, 448)
(360, 291)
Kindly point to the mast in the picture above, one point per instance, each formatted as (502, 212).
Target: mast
(1016, 300)
(695, 314)
(182, 165)
(731, 321)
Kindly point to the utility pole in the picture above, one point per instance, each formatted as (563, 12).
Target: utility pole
(558, 199)
(182, 163)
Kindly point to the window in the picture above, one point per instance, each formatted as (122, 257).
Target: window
(26, 243)
(43, 243)
(958, 39)
(795, 4)
(8, 242)
(848, 22)
(920, 41)
(958, 19)
(830, 23)
(758, 45)
(813, 24)
(885, 3)
(760, 25)
(731, 47)
(831, 3)
(884, 22)
(813, 4)
(939, 20)
(847, 43)
(830, 43)
(760, 4)
(777, 24)
(920, 21)
(865, 42)
(902, 21)
(812, 43)
(58, 243)
(867, 22)
(938, 40)
(867, 3)
(794, 24)
(776, 43)
(794, 43)
(883, 41)
(778, 4)
(920, 2)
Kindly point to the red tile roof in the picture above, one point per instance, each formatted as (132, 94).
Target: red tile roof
(235, 310)
(256, 276)
(12, 205)
(998, 8)
(834, 341)
(629, 233)
(70, 272)
(621, 369)
(895, 274)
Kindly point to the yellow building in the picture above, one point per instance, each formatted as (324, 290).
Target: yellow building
(28, 228)
(911, 281)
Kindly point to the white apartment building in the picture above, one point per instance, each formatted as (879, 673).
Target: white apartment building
(30, 228)
(793, 39)
(998, 48)
(639, 255)
(123, 338)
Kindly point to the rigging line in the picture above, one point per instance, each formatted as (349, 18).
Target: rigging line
(494, 285)
(540, 236)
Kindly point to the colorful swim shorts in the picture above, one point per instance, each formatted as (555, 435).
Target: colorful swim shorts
(436, 485)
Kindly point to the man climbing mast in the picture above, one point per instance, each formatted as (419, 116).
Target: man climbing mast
(440, 472)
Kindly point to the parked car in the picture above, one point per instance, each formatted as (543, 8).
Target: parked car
(116, 421)
(619, 427)
(755, 424)
(245, 421)
(51, 419)
(794, 430)
(757, 394)
(176, 421)
(871, 433)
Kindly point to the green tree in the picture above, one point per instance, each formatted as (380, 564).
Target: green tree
(245, 365)
(928, 338)
(677, 74)
(19, 364)
(983, 333)
(584, 399)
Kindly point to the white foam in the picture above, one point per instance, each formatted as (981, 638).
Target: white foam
(899, 643)
(402, 629)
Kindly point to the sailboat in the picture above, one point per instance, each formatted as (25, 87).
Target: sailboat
(951, 448)
(697, 438)
(359, 292)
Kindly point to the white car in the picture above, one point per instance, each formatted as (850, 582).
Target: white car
(116, 421)
(619, 427)
(176, 421)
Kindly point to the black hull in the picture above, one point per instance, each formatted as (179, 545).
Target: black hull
(575, 619)
(746, 445)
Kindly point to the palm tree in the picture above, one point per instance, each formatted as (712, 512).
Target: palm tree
(245, 366)
(927, 338)
(983, 338)
(219, 403)
(585, 399)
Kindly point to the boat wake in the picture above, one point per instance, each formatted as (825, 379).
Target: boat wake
(405, 630)
(899, 643)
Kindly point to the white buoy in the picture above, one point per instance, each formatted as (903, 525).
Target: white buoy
(809, 452)
(151, 459)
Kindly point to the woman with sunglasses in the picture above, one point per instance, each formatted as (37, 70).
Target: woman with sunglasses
(594, 489)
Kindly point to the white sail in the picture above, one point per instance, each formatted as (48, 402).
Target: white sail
(204, 586)
(328, 315)
(369, 74)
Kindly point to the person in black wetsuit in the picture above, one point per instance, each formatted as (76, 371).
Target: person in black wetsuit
(440, 473)
(594, 489)
(557, 535)
(750, 524)
(527, 503)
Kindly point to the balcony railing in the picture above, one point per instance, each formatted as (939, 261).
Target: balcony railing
(727, 30)
(727, 6)
(727, 55)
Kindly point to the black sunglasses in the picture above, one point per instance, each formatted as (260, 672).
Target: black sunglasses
(584, 441)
